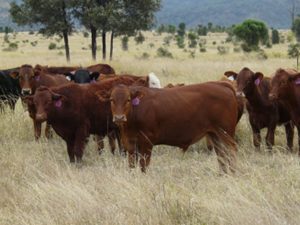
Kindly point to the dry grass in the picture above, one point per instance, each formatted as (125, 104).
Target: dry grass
(39, 186)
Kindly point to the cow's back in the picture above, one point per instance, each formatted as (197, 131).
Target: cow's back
(185, 114)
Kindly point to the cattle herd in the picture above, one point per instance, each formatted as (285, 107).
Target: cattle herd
(138, 113)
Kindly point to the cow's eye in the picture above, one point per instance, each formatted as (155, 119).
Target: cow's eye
(128, 100)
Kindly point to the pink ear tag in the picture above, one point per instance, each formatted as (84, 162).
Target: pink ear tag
(37, 78)
(257, 81)
(135, 101)
(58, 103)
(93, 81)
(297, 81)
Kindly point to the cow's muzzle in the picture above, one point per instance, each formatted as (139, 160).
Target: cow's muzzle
(240, 94)
(41, 117)
(26, 91)
(272, 96)
(119, 118)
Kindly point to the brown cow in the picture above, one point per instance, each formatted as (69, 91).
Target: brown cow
(29, 81)
(75, 112)
(285, 90)
(175, 116)
(56, 69)
(262, 112)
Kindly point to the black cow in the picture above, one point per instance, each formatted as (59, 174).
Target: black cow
(9, 89)
(82, 76)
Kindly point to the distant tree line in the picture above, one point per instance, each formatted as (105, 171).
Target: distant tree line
(6, 30)
(58, 17)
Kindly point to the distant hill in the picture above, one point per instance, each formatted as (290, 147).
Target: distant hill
(192, 12)
(225, 12)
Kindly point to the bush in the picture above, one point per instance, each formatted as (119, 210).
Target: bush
(11, 47)
(145, 55)
(180, 41)
(167, 40)
(214, 42)
(151, 45)
(139, 39)
(261, 55)
(34, 43)
(222, 50)
(124, 41)
(163, 52)
(52, 46)
(202, 49)
(236, 49)
(192, 39)
(31, 32)
(86, 34)
(275, 37)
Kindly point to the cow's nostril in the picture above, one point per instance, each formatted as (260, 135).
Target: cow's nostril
(119, 118)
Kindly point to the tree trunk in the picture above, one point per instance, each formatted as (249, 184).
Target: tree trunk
(94, 42)
(65, 31)
(111, 46)
(67, 48)
(103, 44)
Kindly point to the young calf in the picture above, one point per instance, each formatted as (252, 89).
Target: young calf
(263, 113)
(175, 116)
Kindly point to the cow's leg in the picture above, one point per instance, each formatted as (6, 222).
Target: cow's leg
(48, 132)
(209, 144)
(270, 136)
(298, 128)
(289, 132)
(79, 143)
(132, 153)
(112, 143)
(37, 129)
(100, 143)
(256, 138)
(120, 145)
(70, 148)
(145, 156)
(221, 155)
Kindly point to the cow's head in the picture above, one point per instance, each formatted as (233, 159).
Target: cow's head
(282, 82)
(122, 100)
(83, 76)
(44, 100)
(27, 79)
(247, 80)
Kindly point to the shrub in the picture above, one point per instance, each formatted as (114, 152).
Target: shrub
(86, 34)
(52, 46)
(167, 40)
(34, 43)
(214, 42)
(124, 41)
(275, 37)
(163, 52)
(202, 49)
(180, 41)
(139, 39)
(145, 55)
(237, 49)
(151, 45)
(192, 39)
(261, 54)
(222, 50)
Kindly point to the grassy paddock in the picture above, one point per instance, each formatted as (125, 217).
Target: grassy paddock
(39, 186)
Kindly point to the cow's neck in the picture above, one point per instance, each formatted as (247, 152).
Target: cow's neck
(255, 98)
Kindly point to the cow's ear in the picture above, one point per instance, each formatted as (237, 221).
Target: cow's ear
(137, 94)
(231, 75)
(37, 73)
(94, 75)
(57, 99)
(14, 74)
(295, 78)
(257, 77)
(103, 95)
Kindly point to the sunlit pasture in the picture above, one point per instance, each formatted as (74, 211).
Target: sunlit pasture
(38, 185)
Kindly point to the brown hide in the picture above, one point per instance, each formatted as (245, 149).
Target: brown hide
(176, 116)
(75, 112)
(286, 91)
(29, 81)
(263, 113)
